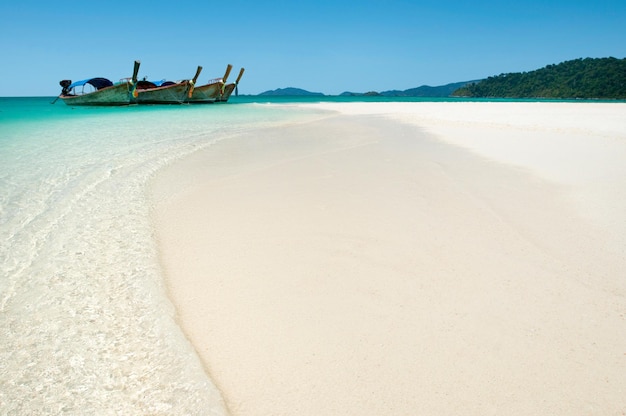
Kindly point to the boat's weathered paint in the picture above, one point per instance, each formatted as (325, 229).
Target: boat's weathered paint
(117, 94)
(229, 88)
(130, 91)
(170, 94)
(212, 91)
(207, 93)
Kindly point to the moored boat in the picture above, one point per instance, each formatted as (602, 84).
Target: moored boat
(210, 92)
(99, 91)
(165, 92)
(229, 88)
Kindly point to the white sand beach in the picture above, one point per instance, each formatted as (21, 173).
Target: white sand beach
(407, 258)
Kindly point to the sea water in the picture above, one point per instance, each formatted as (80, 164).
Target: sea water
(85, 323)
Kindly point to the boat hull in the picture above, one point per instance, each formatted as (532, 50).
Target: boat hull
(171, 94)
(115, 95)
(208, 93)
(228, 90)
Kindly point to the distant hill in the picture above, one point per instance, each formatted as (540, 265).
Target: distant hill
(427, 91)
(593, 78)
(359, 94)
(423, 91)
(290, 92)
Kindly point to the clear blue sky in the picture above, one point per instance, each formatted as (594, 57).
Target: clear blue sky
(323, 46)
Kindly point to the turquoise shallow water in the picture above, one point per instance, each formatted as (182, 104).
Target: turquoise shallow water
(86, 325)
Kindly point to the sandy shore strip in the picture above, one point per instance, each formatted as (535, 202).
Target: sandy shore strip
(407, 258)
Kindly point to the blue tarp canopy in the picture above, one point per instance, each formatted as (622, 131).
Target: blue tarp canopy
(97, 83)
(162, 83)
(145, 84)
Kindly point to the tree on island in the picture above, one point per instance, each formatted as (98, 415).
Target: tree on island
(593, 78)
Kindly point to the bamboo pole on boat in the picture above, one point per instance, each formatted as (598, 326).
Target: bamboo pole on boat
(228, 69)
(133, 80)
(237, 81)
(193, 81)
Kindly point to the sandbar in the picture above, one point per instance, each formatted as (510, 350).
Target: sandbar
(407, 258)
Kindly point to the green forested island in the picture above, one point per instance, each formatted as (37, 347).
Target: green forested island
(592, 78)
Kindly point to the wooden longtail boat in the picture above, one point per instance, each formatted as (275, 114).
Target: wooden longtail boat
(99, 91)
(209, 93)
(229, 88)
(165, 92)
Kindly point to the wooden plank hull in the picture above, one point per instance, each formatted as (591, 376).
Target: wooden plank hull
(170, 94)
(228, 90)
(208, 93)
(110, 96)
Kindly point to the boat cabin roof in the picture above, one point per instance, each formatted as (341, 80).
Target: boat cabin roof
(97, 83)
(145, 84)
